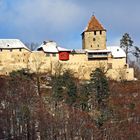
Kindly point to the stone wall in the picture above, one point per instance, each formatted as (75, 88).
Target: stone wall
(41, 62)
(94, 42)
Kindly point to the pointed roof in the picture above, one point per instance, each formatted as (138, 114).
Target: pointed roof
(94, 25)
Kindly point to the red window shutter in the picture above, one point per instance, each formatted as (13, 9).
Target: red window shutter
(64, 56)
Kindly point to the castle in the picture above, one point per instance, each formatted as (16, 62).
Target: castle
(14, 55)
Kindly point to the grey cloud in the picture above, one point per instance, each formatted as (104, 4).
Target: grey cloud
(64, 20)
(44, 19)
(58, 14)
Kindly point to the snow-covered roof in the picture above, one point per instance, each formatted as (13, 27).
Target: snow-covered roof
(116, 51)
(78, 51)
(11, 44)
(51, 47)
(97, 51)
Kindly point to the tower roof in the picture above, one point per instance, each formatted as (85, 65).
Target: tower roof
(94, 25)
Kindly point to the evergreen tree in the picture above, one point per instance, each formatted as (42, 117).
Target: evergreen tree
(126, 43)
(57, 88)
(64, 87)
(100, 88)
(84, 96)
(70, 87)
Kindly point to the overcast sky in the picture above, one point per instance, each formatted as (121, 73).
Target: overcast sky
(64, 20)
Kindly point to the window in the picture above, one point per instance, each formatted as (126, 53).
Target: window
(54, 54)
(110, 65)
(20, 49)
(1, 50)
(98, 46)
(47, 54)
(91, 46)
(94, 32)
(11, 50)
(94, 39)
(125, 65)
(100, 32)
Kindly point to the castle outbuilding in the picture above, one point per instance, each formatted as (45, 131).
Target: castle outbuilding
(14, 55)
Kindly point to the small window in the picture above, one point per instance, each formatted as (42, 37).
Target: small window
(100, 32)
(125, 65)
(47, 54)
(11, 50)
(1, 50)
(91, 46)
(20, 49)
(54, 54)
(117, 49)
(94, 39)
(110, 65)
(98, 46)
(94, 32)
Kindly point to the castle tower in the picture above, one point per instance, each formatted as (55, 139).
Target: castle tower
(94, 36)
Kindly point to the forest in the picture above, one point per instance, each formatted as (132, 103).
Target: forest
(59, 106)
(62, 107)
